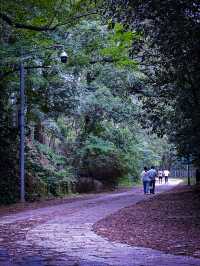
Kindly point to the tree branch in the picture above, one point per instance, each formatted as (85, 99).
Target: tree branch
(76, 17)
(104, 60)
(12, 23)
(47, 27)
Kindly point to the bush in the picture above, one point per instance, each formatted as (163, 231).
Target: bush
(48, 173)
(9, 179)
(100, 160)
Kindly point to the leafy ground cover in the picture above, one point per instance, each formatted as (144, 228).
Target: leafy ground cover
(169, 222)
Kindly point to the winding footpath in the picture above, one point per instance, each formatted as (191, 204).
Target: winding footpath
(62, 235)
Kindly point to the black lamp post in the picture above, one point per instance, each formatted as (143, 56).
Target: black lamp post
(188, 169)
(22, 129)
(63, 58)
(188, 162)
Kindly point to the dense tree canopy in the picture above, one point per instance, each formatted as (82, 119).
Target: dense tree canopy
(92, 122)
(169, 55)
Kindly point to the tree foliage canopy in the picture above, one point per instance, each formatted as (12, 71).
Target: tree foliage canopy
(169, 55)
(84, 120)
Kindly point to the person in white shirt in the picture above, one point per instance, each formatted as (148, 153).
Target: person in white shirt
(166, 175)
(160, 176)
(145, 180)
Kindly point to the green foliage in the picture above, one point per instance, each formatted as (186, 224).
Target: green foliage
(95, 146)
(119, 43)
(82, 118)
(129, 181)
(48, 168)
(170, 55)
(55, 159)
(99, 159)
(9, 180)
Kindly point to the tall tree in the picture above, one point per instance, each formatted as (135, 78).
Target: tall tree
(170, 53)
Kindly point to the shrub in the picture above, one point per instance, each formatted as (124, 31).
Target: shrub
(101, 160)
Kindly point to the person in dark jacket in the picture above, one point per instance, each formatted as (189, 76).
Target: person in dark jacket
(152, 173)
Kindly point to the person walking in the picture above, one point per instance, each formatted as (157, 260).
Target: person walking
(145, 180)
(160, 176)
(166, 175)
(152, 173)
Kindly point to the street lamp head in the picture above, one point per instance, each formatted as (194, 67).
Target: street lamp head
(63, 57)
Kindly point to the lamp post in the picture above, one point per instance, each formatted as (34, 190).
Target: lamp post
(22, 129)
(188, 169)
(188, 161)
(63, 58)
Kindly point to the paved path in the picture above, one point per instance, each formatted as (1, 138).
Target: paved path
(63, 235)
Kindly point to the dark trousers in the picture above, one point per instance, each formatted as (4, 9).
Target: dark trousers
(152, 186)
(146, 187)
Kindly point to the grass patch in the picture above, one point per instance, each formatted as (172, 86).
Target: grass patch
(128, 181)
